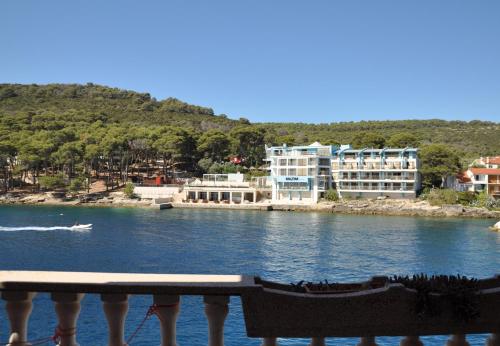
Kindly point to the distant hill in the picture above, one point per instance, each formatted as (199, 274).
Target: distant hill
(89, 103)
(111, 105)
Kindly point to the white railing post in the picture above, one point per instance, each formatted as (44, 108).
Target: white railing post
(269, 342)
(493, 340)
(457, 340)
(411, 340)
(115, 308)
(167, 309)
(67, 306)
(18, 306)
(216, 310)
(317, 342)
(367, 341)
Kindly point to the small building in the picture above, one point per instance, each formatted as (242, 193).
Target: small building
(220, 188)
(484, 179)
(487, 162)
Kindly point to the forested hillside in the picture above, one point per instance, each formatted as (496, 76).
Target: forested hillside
(80, 130)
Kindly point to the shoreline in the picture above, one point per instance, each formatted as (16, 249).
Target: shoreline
(354, 207)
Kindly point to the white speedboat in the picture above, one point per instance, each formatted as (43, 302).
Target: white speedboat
(83, 226)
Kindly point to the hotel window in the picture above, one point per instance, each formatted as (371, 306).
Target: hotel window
(292, 162)
(312, 161)
(311, 171)
(282, 171)
(282, 162)
(324, 162)
(292, 171)
(302, 162)
(324, 171)
(302, 172)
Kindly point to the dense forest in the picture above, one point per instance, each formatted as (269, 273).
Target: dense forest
(76, 132)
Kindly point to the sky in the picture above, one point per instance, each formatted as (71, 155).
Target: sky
(269, 60)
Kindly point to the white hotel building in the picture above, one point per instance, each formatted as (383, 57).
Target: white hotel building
(371, 173)
(304, 173)
(300, 173)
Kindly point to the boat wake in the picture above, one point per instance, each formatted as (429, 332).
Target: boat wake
(77, 228)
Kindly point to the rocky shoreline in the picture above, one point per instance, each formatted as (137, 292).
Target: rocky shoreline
(356, 207)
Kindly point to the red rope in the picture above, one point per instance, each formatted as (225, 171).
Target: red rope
(153, 310)
(56, 338)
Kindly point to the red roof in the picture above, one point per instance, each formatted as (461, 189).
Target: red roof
(485, 171)
(494, 160)
(463, 178)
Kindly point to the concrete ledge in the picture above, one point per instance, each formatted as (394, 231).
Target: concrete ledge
(88, 282)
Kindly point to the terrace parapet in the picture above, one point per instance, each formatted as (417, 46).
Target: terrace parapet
(271, 310)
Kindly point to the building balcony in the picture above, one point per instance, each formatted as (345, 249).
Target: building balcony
(270, 310)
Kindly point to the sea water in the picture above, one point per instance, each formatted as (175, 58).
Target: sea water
(280, 246)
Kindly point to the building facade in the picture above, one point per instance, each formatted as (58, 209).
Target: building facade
(304, 173)
(300, 173)
(220, 188)
(481, 179)
(371, 173)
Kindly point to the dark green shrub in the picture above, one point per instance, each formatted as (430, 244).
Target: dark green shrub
(442, 196)
(51, 182)
(129, 190)
(331, 195)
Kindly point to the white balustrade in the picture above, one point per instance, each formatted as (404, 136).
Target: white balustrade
(367, 341)
(216, 310)
(67, 306)
(115, 308)
(493, 340)
(317, 342)
(270, 342)
(18, 306)
(216, 291)
(457, 340)
(167, 309)
(411, 341)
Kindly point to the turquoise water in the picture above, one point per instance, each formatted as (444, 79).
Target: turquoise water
(280, 246)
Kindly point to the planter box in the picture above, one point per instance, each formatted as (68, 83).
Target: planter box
(274, 310)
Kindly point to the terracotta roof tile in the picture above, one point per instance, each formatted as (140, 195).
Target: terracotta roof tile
(489, 171)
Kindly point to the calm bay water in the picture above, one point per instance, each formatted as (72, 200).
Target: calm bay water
(280, 246)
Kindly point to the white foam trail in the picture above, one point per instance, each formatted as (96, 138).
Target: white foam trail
(43, 229)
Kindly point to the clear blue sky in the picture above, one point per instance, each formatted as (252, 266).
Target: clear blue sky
(279, 60)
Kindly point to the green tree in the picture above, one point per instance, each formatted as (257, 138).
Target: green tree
(403, 140)
(438, 162)
(214, 144)
(368, 140)
(249, 144)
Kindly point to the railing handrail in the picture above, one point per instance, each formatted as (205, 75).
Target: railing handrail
(128, 283)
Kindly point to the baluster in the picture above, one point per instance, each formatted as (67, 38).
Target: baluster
(367, 341)
(493, 340)
(457, 340)
(269, 342)
(411, 340)
(216, 310)
(167, 309)
(67, 306)
(317, 342)
(18, 306)
(115, 308)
